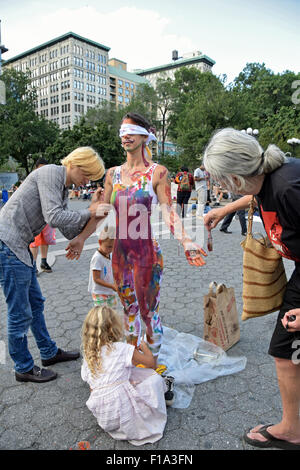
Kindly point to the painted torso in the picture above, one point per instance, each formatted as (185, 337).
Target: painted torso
(132, 204)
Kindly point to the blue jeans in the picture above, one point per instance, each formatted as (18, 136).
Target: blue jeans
(25, 307)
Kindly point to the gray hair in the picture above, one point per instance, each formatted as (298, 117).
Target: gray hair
(232, 152)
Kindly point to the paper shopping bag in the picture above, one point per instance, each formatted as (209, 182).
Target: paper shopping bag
(221, 322)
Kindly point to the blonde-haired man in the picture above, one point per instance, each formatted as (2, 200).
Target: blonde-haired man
(41, 199)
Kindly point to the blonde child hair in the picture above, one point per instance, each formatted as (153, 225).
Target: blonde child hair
(102, 326)
(88, 159)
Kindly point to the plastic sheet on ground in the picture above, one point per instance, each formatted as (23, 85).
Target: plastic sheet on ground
(191, 361)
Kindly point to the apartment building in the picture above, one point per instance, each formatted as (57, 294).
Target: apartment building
(70, 74)
(122, 84)
(190, 59)
(193, 59)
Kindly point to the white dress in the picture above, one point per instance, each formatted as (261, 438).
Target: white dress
(128, 402)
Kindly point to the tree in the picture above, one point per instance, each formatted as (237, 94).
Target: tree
(165, 96)
(103, 138)
(280, 127)
(23, 134)
(144, 102)
(201, 105)
(106, 112)
(263, 93)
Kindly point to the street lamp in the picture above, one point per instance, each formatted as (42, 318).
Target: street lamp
(250, 131)
(293, 142)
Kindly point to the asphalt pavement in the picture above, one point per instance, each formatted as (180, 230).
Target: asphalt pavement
(54, 415)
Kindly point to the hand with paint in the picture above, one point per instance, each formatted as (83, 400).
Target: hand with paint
(193, 253)
(75, 248)
(98, 195)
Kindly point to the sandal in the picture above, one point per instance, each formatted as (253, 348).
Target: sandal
(271, 440)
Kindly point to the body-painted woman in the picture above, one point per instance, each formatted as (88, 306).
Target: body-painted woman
(133, 188)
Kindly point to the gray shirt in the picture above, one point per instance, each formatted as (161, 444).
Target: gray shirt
(41, 199)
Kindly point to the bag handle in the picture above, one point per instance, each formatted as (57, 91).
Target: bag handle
(219, 287)
(250, 216)
(250, 223)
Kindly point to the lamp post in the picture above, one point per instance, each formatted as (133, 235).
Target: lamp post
(293, 142)
(2, 84)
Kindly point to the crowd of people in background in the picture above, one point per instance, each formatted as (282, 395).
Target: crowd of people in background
(83, 192)
(209, 193)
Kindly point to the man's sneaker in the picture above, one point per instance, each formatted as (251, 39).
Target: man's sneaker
(169, 395)
(45, 267)
(37, 375)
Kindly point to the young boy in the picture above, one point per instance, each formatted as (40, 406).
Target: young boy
(101, 281)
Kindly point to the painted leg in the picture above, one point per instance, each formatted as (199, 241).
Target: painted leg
(123, 276)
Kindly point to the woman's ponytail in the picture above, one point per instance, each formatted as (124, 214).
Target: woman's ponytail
(273, 159)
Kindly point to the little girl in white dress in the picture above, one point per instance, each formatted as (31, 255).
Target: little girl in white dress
(127, 401)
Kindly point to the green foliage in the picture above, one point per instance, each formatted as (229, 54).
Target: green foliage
(269, 90)
(171, 162)
(24, 135)
(107, 113)
(101, 136)
(143, 102)
(187, 111)
(201, 105)
(280, 127)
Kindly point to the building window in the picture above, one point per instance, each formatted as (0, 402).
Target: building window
(78, 61)
(65, 84)
(66, 108)
(64, 62)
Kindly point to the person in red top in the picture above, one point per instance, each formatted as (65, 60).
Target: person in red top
(238, 162)
(186, 182)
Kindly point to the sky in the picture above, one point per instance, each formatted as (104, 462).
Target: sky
(144, 33)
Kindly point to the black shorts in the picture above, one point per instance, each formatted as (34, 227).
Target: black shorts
(284, 344)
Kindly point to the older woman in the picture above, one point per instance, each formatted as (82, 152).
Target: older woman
(239, 163)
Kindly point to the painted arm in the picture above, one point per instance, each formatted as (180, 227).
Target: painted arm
(162, 187)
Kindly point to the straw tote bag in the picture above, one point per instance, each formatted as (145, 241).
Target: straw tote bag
(264, 278)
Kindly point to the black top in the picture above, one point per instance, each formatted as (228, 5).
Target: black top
(279, 206)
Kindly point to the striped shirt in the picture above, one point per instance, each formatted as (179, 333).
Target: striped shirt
(41, 199)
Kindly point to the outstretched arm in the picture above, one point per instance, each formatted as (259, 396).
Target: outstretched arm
(162, 187)
(213, 217)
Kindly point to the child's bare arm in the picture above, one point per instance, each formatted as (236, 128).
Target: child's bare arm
(144, 356)
(98, 280)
